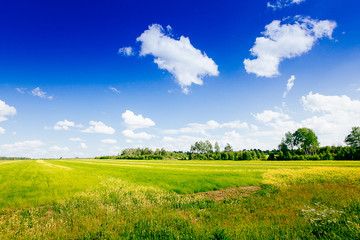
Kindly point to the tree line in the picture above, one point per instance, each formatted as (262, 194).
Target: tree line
(302, 144)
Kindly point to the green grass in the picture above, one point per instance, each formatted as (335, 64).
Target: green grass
(122, 199)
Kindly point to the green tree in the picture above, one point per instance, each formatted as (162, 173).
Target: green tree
(228, 148)
(353, 139)
(208, 146)
(306, 139)
(283, 146)
(217, 147)
(289, 140)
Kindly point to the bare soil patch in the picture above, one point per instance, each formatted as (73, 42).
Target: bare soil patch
(229, 193)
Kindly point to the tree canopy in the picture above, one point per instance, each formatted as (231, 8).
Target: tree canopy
(303, 138)
(353, 139)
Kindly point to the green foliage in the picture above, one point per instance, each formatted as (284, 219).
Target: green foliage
(228, 148)
(141, 208)
(217, 147)
(353, 139)
(306, 139)
(14, 158)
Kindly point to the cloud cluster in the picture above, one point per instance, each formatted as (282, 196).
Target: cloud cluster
(335, 115)
(141, 135)
(289, 85)
(98, 127)
(63, 125)
(283, 3)
(27, 148)
(40, 93)
(209, 125)
(133, 122)
(285, 40)
(126, 51)
(277, 120)
(5, 111)
(187, 64)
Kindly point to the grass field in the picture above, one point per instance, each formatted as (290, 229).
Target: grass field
(133, 199)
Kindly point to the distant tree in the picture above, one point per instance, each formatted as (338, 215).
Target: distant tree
(217, 147)
(228, 148)
(289, 140)
(283, 146)
(208, 146)
(353, 139)
(306, 139)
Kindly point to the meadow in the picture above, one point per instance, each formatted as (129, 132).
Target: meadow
(169, 199)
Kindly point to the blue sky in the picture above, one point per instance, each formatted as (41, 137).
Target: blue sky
(89, 78)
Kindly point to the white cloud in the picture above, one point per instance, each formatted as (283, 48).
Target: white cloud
(187, 64)
(75, 139)
(336, 116)
(141, 135)
(64, 125)
(109, 141)
(282, 41)
(278, 122)
(21, 146)
(133, 121)
(289, 85)
(283, 3)
(114, 90)
(98, 127)
(209, 125)
(358, 89)
(2, 130)
(83, 145)
(126, 51)
(6, 110)
(40, 93)
(56, 148)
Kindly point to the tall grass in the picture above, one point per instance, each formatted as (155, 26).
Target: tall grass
(112, 202)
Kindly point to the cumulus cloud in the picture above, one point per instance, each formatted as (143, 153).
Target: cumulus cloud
(5, 111)
(133, 121)
(332, 119)
(277, 121)
(140, 136)
(335, 116)
(289, 85)
(283, 3)
(64, 125)
(285, 40)
(202, 128)
(187, 64)
(40, 93)
(109, 141)
(98, 127)
(126, 51)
